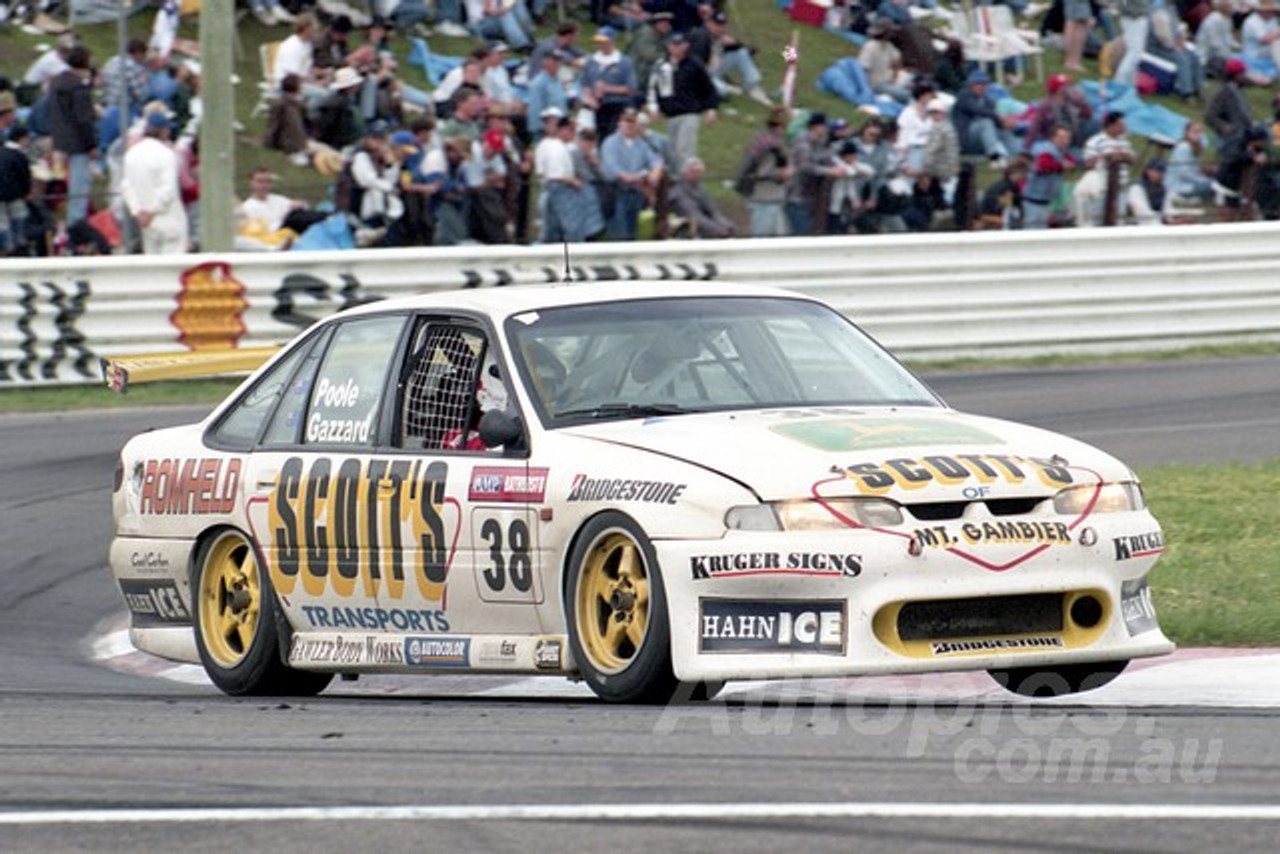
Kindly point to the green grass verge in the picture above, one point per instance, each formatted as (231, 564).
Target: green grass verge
(1217, 582)
(98, 397)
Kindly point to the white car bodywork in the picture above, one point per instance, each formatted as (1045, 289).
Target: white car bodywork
(386, 559)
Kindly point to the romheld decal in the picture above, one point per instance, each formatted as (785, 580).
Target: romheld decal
(610, 489)
(908, 473)
(376, 619)
(437, 652)
(773, 563)
(187, 487)
(332, 522)
(1139, 545)
(154, 603)
(728, 625)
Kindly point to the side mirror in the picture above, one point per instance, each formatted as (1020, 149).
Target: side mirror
(498, 428)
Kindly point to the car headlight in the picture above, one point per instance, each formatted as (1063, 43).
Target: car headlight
(806, 515)
(1110, 498)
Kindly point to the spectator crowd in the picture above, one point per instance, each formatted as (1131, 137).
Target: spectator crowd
(592, 130)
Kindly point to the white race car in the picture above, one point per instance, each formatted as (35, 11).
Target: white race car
(650, 488)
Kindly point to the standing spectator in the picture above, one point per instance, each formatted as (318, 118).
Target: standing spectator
(1244, 153)
(15, 182)
(812, 165)
(1227, 113)
(1186, 176)
(635, 170)
(466, 116)
(689, 200)
(682, 90)
(850, 190)
(596, 195)
(547, 90)
(124, 77)
(914, 126)
(486, 176)
(1050, 160)
(1135, 20)
(764, 176)
(1104, 149)
(1215, 38)
(151, 190)
(940, 164)
(553, 164)
(74, 127)
(978, 123)
(875, 149)
(1063, 104)
(647, 45)
(728, 56)
(496, 19)
(609, 83)
(1077, 22)
(469, 73)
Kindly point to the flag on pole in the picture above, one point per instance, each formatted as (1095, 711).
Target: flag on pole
(791, 56)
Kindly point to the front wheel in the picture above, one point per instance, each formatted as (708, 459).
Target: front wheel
(1058, 681)
(616, 609)
(237, 624)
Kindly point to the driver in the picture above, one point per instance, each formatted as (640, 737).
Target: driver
(490, 395)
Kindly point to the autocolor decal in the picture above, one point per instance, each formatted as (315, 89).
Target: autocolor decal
(188, 487)
(507, 484)
(730, 625)
(862, 434)
(333, 523)
(910, 473)
(154, 602)
(612, 489)
(739, 564)
(1139, 545)
(437, 652)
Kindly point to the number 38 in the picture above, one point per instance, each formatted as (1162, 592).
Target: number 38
(510, 557)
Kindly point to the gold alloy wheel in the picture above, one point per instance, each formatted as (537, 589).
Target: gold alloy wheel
(230, 600)
(612, 601)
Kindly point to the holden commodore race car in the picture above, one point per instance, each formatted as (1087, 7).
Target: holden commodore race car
(649, 489)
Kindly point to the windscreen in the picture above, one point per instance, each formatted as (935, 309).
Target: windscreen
(701, 354)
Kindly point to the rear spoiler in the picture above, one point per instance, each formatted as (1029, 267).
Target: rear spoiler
(121, 371)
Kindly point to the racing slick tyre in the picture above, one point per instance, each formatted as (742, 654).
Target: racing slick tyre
(1058, 681)
(616, 609)
(238, 626)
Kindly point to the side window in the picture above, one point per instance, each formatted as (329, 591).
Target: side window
(239, 428)
(348, 387)
(440, 406)
(286, 425)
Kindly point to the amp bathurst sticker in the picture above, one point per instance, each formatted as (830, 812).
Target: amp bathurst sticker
(508, 483)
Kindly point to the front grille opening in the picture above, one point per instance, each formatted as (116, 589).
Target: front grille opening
(941, 511)
(942, 619)
(1011, 506)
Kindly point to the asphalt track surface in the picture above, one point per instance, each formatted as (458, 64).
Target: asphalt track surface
(1178, 756)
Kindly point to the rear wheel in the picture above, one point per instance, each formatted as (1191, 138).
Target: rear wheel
(1058, 681)
(238, 624)
(619, 630)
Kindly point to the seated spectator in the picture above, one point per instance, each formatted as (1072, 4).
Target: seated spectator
(1001, 204)
(15, 181)
(1168, 41)
(635, 170)
(501, 19)
(467, 115)
(295, 55)
(1241, 156)
(689, 200)
(287, 124)
(625, 16)
(375, 173)
(981, 128)
(469, 73)
(495, 82)
(268, 220)
(728, 58)
(1227, 113)
(47, 66)
(1148, 199)
(1104, 151)
(1215, 39)
(566, 41)
(1186, 176)
(339, 121)
(331, 49)
(1260, 34)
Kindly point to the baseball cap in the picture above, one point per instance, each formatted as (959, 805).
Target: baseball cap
(551, 113)
(1057, 83)
(403, 137)
(817, 119)
(1234, 67)
(605, 34)
(157, 120)
(495, 139)
(979, 76)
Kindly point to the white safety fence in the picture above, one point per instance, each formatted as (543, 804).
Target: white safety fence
(940, 295)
